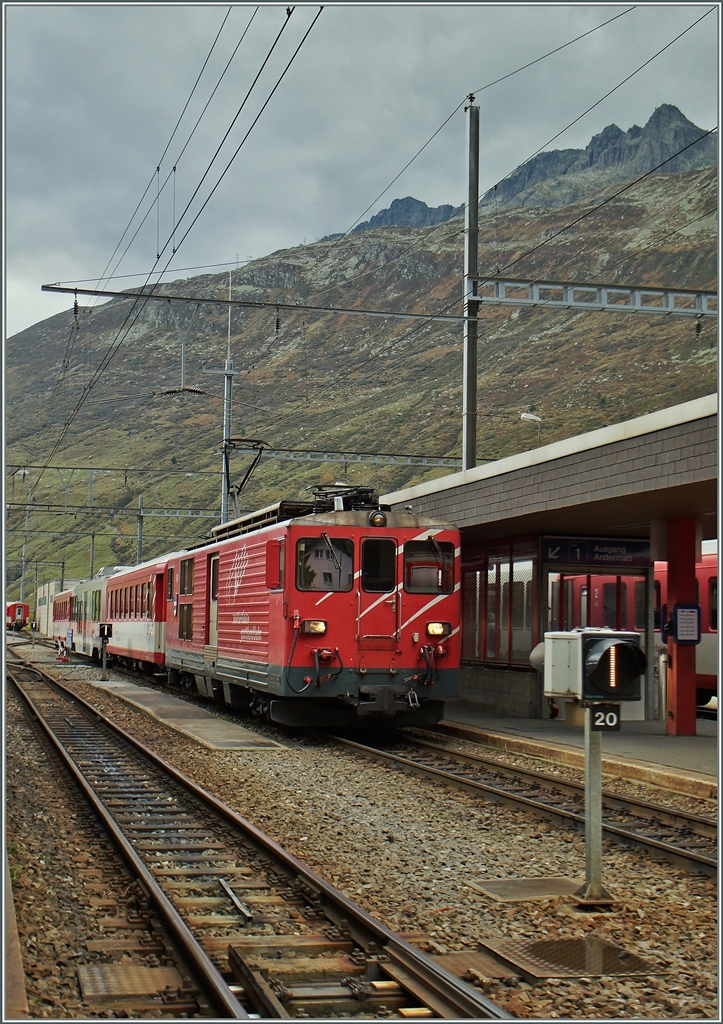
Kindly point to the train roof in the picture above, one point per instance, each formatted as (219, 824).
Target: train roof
(330, 504)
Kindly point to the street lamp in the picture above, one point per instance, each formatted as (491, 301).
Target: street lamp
(531, 418)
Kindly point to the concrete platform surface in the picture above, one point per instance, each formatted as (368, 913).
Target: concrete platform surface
(641, 750)
(197, 724)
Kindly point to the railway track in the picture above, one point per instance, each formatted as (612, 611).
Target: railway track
(262, 934)
(689, 840)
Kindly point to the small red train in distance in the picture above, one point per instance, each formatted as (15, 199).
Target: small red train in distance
(332, 612)
(17, 614)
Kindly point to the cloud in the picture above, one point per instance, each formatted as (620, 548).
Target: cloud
(94, 91)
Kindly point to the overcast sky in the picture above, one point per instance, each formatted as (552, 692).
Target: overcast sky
(93, 93)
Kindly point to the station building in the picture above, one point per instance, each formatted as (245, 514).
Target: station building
(568, 535)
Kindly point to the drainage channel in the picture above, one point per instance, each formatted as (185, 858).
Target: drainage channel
(687, 840)
(265, 936)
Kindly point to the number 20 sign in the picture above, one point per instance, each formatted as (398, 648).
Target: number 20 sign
(605, 717)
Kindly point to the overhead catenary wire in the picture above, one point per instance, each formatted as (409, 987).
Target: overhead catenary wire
(480, 89)
(120, 335)
(179, 158)
(549, 141)
(170, 140)
(590, 30)
(489, 85)
(417, 327)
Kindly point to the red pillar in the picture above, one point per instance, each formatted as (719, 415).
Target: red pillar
(681, 590)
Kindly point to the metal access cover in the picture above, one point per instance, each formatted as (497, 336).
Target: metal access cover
(461, 962)
(511, 889)
(569, 958)
(99, 981)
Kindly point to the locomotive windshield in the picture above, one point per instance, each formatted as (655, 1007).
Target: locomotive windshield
(324, 563)
(428, 567)
(378, 563)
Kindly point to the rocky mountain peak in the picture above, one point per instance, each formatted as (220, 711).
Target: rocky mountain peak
(567, 174)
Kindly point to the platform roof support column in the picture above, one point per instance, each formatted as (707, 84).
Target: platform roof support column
(681, 589)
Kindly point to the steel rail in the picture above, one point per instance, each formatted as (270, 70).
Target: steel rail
(639, 808)
(442, 991)
(224, 1001)
(687, 858)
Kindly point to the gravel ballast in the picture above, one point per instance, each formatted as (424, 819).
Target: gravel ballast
(405, 849)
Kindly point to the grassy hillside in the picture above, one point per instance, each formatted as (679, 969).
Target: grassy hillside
(341, 382)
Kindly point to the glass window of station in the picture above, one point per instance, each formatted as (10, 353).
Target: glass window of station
(499, 602)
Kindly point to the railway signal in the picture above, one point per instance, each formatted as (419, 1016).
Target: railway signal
(594, 666)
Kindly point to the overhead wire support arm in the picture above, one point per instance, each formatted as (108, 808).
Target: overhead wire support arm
(596, 296)
(255, 304)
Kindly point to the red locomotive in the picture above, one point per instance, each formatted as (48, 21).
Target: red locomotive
(17, 614)
(331, 612)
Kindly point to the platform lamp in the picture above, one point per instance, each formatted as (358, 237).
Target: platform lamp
(531, 418)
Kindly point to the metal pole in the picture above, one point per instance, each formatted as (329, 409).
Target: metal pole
(139, 552)
(228, 379)
(62, 576)
(471, 244)
(103, 643)
(22, 576)
(226, 482)
(25, 545)
(35, 598)
(593, 890)
(92, 553)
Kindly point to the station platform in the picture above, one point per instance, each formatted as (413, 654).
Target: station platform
(202, 726)
(640, 751)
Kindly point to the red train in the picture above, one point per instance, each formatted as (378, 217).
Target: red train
(618, 602)
(17, 614)
(332, 612)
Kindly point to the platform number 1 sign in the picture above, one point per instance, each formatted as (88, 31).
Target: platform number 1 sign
(605, 718)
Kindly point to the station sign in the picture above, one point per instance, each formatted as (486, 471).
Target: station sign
(595, 552)
(686, 623)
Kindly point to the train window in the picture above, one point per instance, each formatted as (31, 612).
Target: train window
(169, 584)
(378, 565)
(324, 563)
(186, 576)
(214, 579)
(656, 606)
(185, 622)
(713, 598)
(640, 604)
(138, 601)
(428, 567)
(149, 601)
(274, 564)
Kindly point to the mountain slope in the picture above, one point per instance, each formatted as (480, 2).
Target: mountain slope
(352, 383)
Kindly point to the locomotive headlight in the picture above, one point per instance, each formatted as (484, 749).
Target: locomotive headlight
(439, 628)
(315, 626)
(377, 519)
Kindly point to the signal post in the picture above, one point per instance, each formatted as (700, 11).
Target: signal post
(597, 667)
